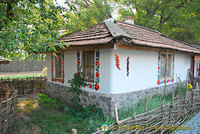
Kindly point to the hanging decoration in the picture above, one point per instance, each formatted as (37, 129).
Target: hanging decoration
(117, 61)
(78, 63)
(94, 85)
(161, 81)
(62, 80)
(127, 67)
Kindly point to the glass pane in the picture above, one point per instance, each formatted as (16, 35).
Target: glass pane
(58, 65)
(162, 65)
(86, 74)
(86, 59)
(92, 74)
(168, 65)
(92, 58)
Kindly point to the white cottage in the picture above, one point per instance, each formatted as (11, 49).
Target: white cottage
(121, 62)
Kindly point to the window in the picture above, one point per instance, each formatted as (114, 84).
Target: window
(58, 62)
(88, 66)
(163, 62)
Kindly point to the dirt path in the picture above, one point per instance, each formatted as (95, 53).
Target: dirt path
(194, 123)
(7, 74)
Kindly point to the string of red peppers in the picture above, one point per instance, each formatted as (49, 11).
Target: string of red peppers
(117, 61)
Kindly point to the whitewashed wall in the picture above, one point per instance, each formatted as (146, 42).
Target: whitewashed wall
(70, 67)
(182, 64)
(143, 70)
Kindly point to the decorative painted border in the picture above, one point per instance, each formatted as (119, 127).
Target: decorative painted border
(161, 81)
(62, 79)
(94, 85)
(197, 70)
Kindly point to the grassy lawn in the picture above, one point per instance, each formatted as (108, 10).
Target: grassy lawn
(54, 117)
(20, 77)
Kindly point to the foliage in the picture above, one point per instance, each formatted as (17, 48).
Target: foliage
(63, 118)
(75, 85)
(84, 13)
(47, 101)
(29, 25)
(177, 19)
(20, 77)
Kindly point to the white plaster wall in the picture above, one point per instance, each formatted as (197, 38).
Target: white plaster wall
(143, 70)
(182, 64)
(70, 62)
(49, 66)
(70, 67)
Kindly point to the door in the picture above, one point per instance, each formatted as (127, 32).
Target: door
(192, 68)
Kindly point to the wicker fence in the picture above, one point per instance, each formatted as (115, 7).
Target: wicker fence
(8, 107)
(164, 119)
(27, 85)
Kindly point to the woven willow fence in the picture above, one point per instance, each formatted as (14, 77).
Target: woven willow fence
(26, 85)
(8, 107)
(161, 120)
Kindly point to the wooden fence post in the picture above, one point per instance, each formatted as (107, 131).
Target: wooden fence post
(197, 86)
(32, 84)
(13, 82)
(97, 129)
(17, 83)
(27, 83)
(163, 112)
(74, 131)
(8, 81)
(186, 95)
(173, 95)
(22, 87)
(116, 114)
(145, 104)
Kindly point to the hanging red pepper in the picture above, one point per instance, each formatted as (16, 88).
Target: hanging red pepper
(127, 66)
(117, 61)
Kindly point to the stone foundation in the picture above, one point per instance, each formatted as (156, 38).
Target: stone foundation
(105, 101)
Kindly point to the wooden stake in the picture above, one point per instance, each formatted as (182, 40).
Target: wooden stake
(162, 105)
(145, 104)
(166, 63)
(134, 115)
(116, 114)
(173, 95)
(186, 90)
(197, 86)
(97, 129)
(74, 131)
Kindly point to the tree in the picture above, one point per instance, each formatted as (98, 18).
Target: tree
(29, 25)
(84, 13)
(178, 19)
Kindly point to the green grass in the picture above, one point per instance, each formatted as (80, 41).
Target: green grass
(55, 117)
(152, 103)
(20, 77)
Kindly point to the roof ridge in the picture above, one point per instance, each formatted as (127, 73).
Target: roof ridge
(115, 30)
(156, 31)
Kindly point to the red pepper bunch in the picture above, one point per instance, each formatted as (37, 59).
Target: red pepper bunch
(117, 61)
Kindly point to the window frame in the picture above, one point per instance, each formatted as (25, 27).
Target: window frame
(170, 60)
(89, 66)
(60, 76)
